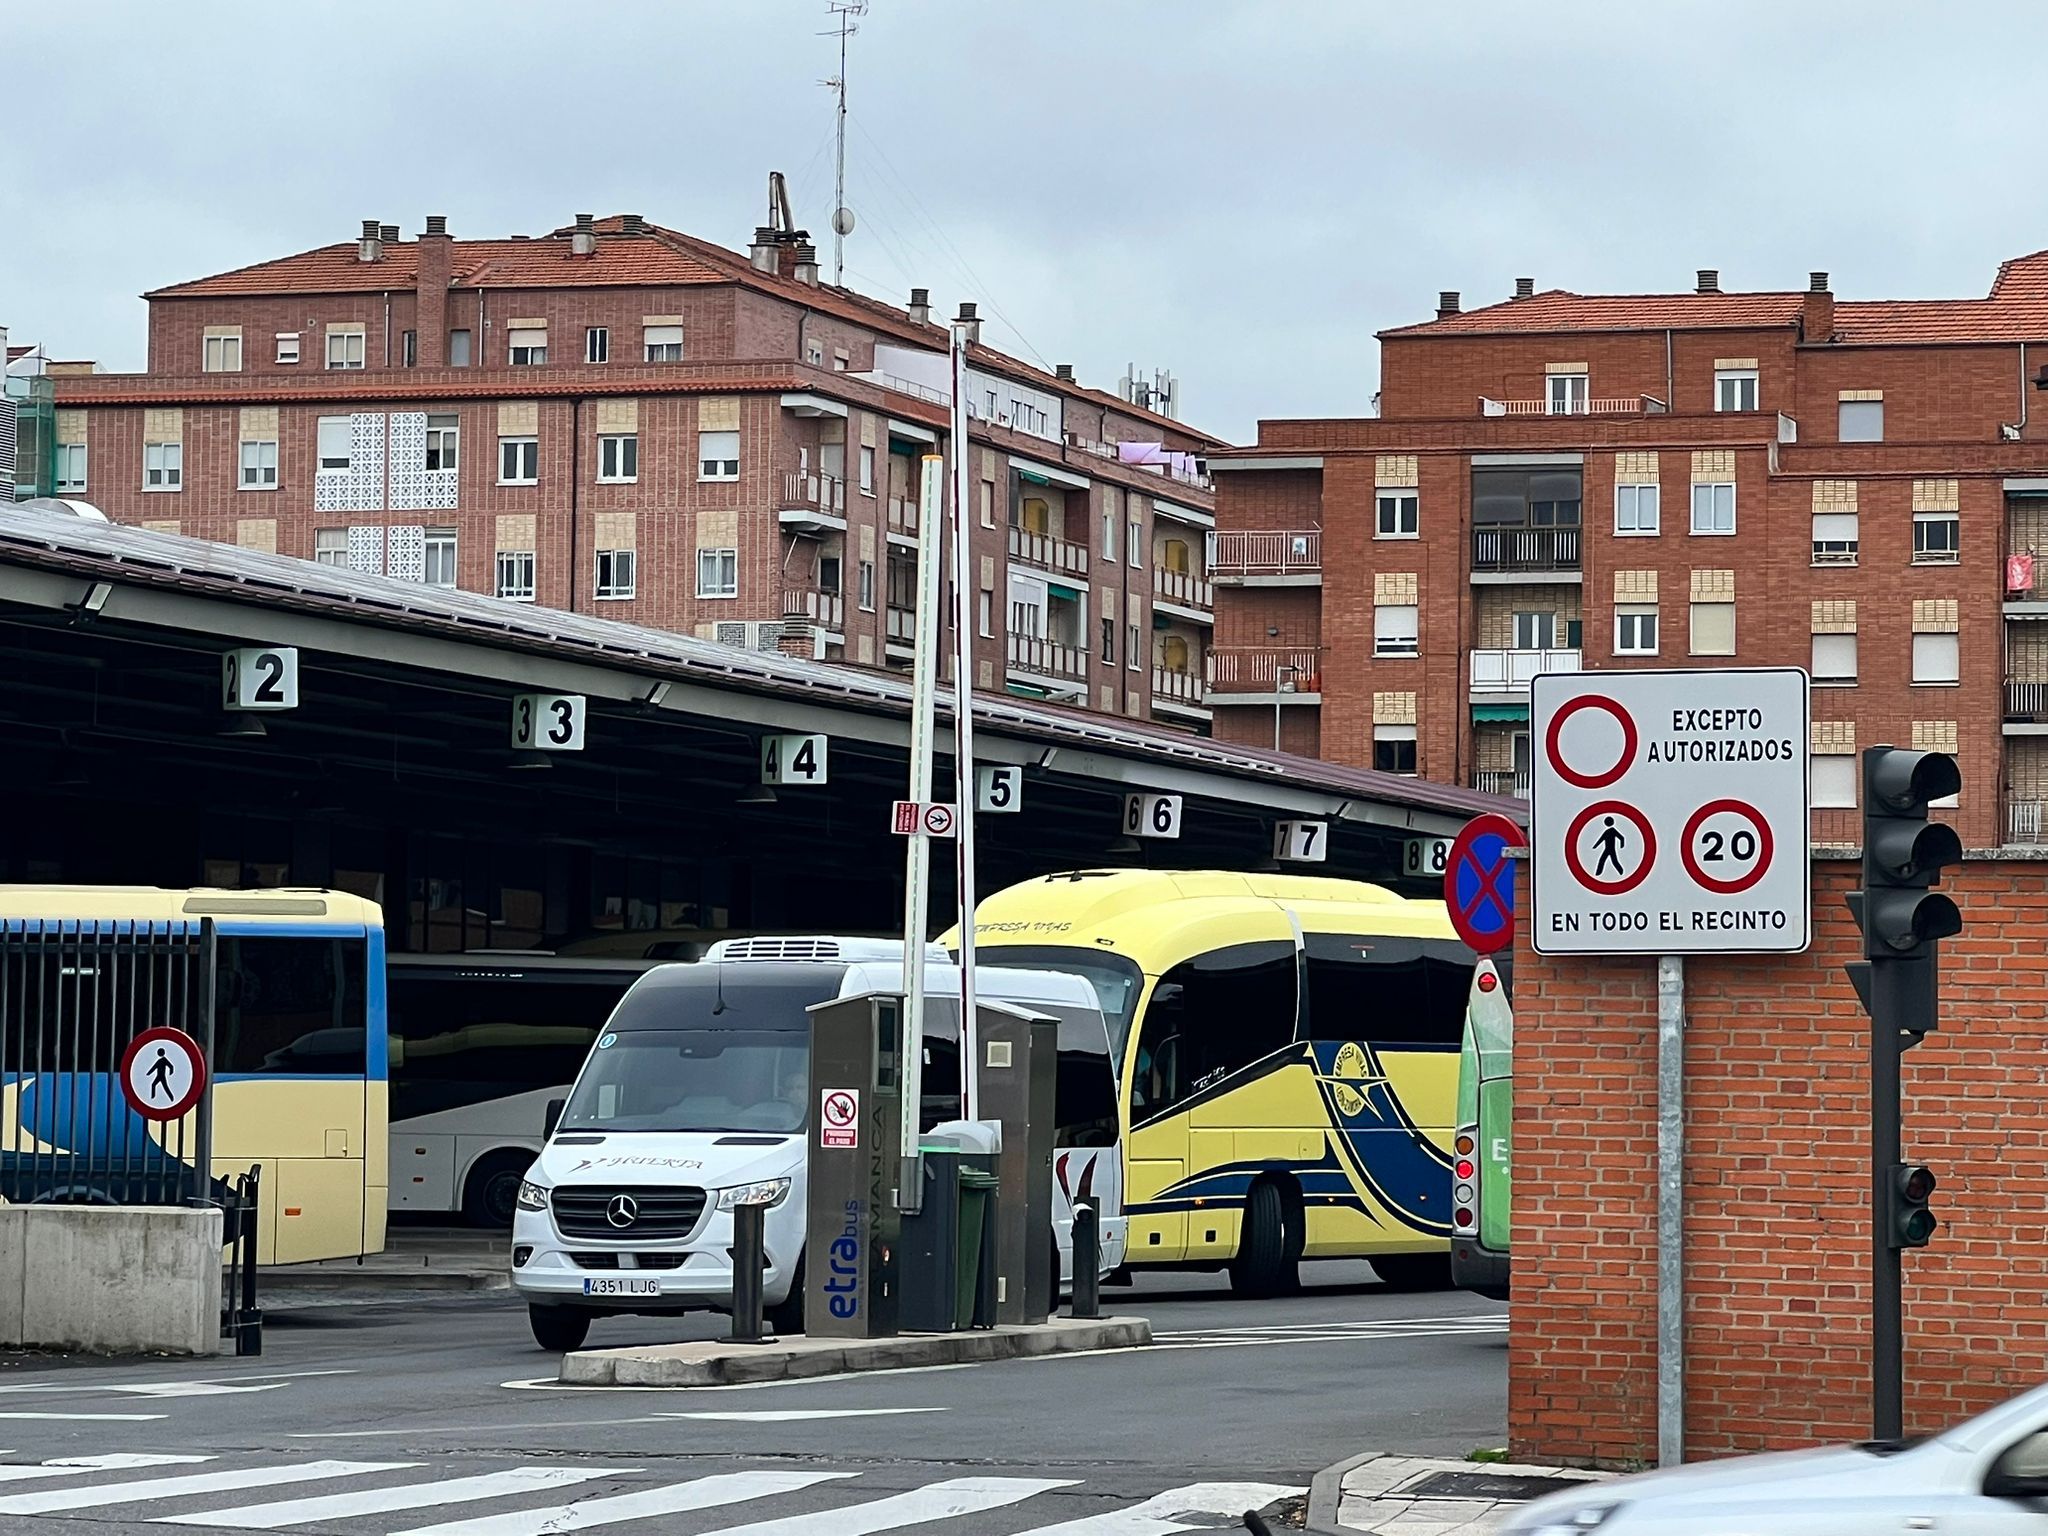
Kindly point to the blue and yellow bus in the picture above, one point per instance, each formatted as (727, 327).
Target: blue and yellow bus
(298, 1055)
(1289, 1054)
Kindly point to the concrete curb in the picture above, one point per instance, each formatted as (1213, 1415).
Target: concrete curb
(718, 1363)
(1326, 1489)
(369, 1282)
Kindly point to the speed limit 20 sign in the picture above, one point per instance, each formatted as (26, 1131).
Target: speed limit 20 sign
(1668, 812)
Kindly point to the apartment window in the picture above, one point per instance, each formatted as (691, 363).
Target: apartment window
(1567, 395)
(345, 349)
(718, 455)
(1834, 658)
(829, 577)
(444, 443)
(985, 615)
(1833, 777)
(518, 460)
(287, 346)
(1835, 538)
(223, 354)
(1393, 749)
(1937, 538)
(1535, 631)
(437, 567)
(618, 456)
(1735, 389)
(1713, 507)
(70, 466)
(1935, 659)
(1635, 631)
(259, 466)
(867, 586)
(1713, 629)
(1109, 641)
(163, 466)
(867, 471)
(1636, 510)
(458, 349)
(597, 345)
(1134, 541)
(330, 546)
(1399, 514)
(529, 348)
(1131, 647)
(1109, 536)
(814, 353)
(515, 575)
(616, 572)
(841, 359)
(1396, 629)
(1860, 421)
(409, 348)
(718, 573)
(664, 343)
(988, 503)
(334, 445)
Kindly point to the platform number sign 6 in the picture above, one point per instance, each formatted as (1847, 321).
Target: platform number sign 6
(999, 789)
(793, 759)
(260, 677)
(548, 722)
(1147, 815)
(1426, 858)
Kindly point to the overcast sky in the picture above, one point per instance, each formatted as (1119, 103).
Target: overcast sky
(1241, 193)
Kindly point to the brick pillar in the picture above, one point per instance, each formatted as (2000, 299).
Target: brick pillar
(437, 255)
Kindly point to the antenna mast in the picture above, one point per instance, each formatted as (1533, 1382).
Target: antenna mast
(842, 216)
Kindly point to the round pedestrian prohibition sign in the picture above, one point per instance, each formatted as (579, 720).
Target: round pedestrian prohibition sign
(163, 1074)
(1553, 742)
(1610, 846)
(1751, 845)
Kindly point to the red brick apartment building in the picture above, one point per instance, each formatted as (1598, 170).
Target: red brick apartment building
(1694, 479)
(621, 419)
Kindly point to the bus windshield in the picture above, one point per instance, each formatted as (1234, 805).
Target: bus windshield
(1117, 981)
(694, 1080)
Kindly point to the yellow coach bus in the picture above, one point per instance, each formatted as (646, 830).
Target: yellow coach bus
(298, 1053)
(1289, 1050)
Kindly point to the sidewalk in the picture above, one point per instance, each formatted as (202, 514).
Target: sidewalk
(445, 1260)
(1393, 1495)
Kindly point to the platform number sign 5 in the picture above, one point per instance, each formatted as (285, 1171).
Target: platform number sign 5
(999, 789)
(548, 722)
(260, 677)
(1147, 815)
(1426, 858)
(1301, 842)
(793, 760)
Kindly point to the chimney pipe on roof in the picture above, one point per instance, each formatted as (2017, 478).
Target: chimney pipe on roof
(766, 252)
(1064, 372)
(1447, 303)
(632, 224)
(388, 233)
(430, 289)
(371, 246)
(1710, 280)
(971, 320)
(584, 241)
(806, 258)
(1525, 287)
(437, 223)
(1817, 316)
(921, 306)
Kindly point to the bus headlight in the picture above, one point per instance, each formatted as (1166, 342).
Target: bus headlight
(769, 1192)
(532, 1196)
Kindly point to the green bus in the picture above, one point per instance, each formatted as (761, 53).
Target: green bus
(1483, 1140)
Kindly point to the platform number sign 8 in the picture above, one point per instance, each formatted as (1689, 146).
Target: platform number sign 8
(793, 759)
(1147, 815)
(1426, 857)
(260, 677)
(548, 722)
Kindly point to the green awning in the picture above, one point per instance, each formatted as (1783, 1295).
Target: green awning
(1071, 594)
(1500, 712)
(1030, 479)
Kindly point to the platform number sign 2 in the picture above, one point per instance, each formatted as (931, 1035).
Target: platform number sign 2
(548, 722)
(999, 789)
(792, 759)
(1426, 857)
(1147, 815)
(260, 677)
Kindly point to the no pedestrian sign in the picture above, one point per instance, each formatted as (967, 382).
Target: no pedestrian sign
(1668, 812)
(163, 1074)
(839, 1117)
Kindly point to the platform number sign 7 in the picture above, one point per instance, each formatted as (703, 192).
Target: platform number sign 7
(260, 677)
(548, 722)
(793, 759)
(1148, 815)
(1426, 857)
(1301, 842)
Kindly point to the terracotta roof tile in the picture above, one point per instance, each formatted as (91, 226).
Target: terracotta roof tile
(1560, 310)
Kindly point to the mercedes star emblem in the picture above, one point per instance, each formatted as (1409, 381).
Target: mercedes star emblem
(623, 1211)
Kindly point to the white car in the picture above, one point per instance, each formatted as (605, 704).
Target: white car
(1986, 1477)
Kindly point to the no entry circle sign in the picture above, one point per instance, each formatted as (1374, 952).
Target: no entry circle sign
(1580, 758)
(163, 1074)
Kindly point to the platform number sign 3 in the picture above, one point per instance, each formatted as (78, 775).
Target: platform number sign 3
(999, 789)
(260, 677)
(1147, 815)
(1301, 842)
(1426, 857)
(793, 760)
(548, 722)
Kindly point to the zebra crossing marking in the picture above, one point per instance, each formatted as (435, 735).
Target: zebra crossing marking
(73, 1466)
(52, 1500)
(380, 1501)
(1160, 1514)
(674, 1499)
(918, 1506)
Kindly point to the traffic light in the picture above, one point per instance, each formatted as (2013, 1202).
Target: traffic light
(1910, 1223)
(1904, 852)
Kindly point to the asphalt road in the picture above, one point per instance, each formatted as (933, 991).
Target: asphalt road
(438, 1414)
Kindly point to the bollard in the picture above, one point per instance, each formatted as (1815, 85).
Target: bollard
(249, 1326)
(1087, 1261)
(748, 1263)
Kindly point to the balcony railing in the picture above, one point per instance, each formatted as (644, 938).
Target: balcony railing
(1180, 587)
(1510, 671)
(2026, 821)
(1258, 669)
(827, 610)
(903, 514)
(1630, 405)
(2026, 702)
(902, 625)
(1525, 549)
(1033, 653)
(1256, 552)
(1502, 781)
(911, 387)
(1052, 553)
(1176, 687)
(808, 491)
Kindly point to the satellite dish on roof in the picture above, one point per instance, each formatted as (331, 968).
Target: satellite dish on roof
(842, 221)
(80, 509)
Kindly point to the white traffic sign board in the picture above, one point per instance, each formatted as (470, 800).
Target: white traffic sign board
(934, 818)
(1668, 812)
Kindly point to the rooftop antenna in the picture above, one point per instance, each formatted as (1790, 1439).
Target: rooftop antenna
(842, 216)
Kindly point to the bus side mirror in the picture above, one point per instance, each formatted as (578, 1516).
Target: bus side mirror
(554, 1117)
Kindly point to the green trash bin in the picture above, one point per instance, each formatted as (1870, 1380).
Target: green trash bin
(977, 1191)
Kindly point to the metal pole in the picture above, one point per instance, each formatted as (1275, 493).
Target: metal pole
(748, 1238)
(207, 983)
(1670, 1210)
(1887, 1306)
(924, 676)
(1087, 1261)
(963, 728)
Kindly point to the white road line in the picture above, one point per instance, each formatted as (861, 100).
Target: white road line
(123, 1418)
(378, 1501)
(209, 1386)
(185, 1487)
(422, 1430)
(73, 1466)
(550, 1384)
(935, 1501)
(790, 1415)
(675, 1499)
(1157, 1516)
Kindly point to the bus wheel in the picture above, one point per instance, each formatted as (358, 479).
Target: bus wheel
(1263, 1266)
(1414, 1271)
(558, 1329)
(491, 1194)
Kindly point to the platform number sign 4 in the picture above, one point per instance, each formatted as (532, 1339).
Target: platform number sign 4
(793, 760)
(999, 789)
(548, 722)
(1148, 815)
(1301, 842)
(260, 677)
(1426, 857)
